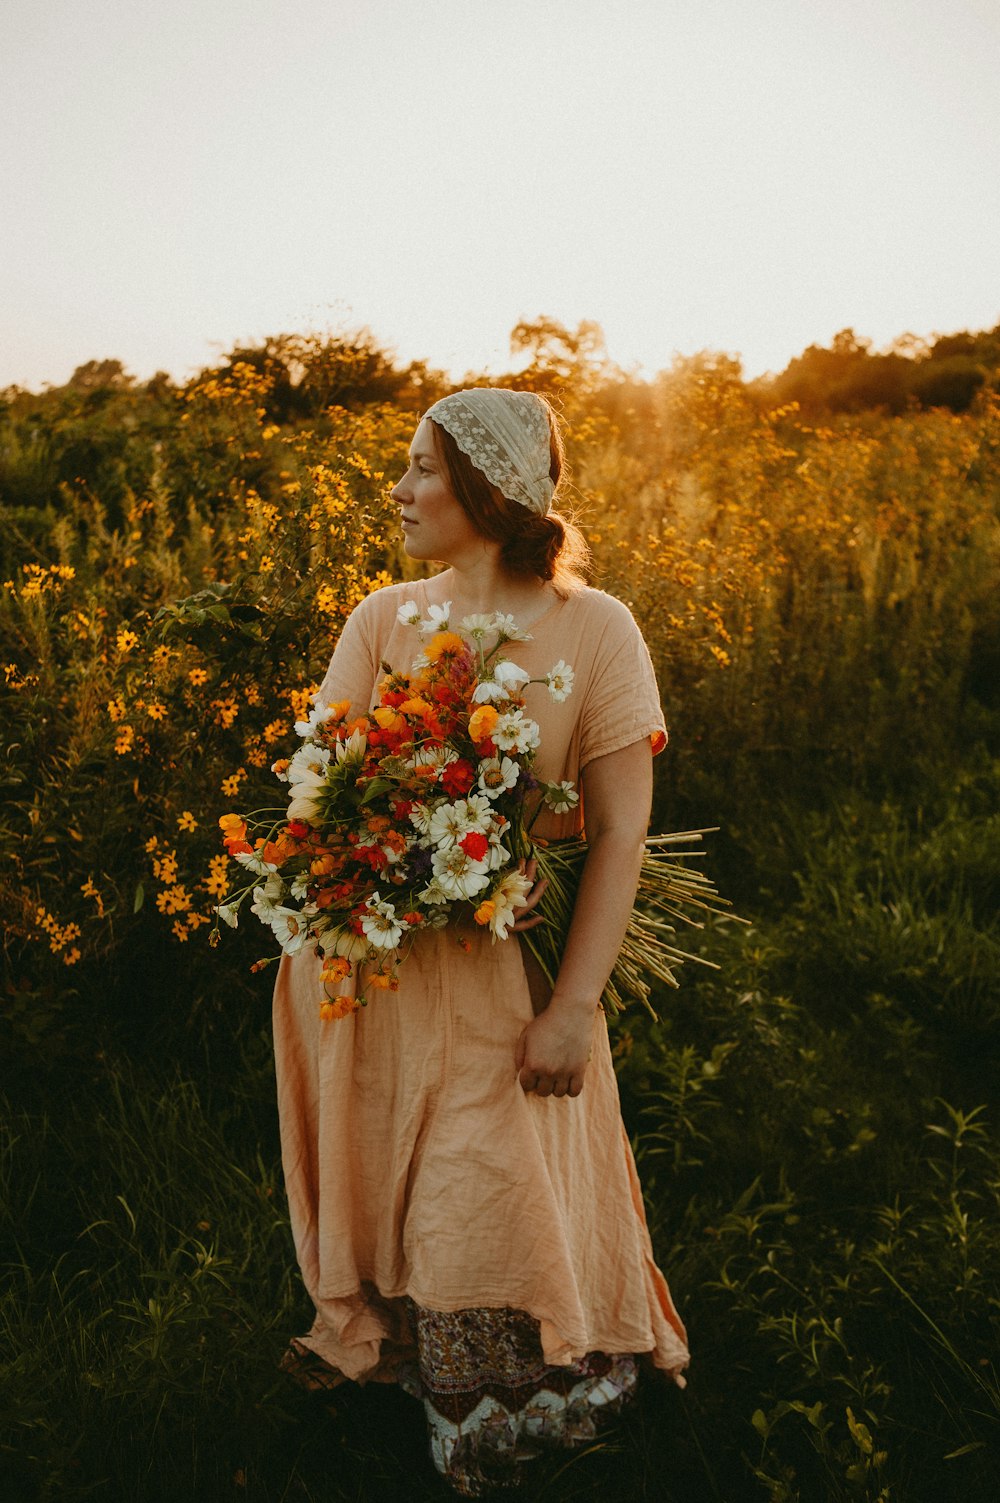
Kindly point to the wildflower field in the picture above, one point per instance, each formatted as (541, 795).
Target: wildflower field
(815, 1121)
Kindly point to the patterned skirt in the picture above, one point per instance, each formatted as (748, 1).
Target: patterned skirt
(490, 1400)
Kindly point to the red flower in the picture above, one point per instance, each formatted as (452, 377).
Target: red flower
(297, 829)
(458, 777)
(474, 845)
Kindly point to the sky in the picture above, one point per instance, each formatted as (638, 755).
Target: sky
(180, 177)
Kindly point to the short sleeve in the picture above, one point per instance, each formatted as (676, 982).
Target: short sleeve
(354, 667)
(622, 704)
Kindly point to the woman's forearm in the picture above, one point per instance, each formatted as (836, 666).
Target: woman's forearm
(600, 916)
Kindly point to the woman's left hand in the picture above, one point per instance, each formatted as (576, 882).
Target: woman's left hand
(553, 1051)
(525, 919)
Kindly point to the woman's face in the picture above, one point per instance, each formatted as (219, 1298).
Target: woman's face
(435, 526)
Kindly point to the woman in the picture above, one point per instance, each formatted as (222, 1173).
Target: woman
(463, 1197)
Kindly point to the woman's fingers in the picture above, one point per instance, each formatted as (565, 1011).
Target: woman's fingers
(528, 923)
(531, 901)
(550, 1085)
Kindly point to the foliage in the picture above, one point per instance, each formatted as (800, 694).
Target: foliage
(815, 1122)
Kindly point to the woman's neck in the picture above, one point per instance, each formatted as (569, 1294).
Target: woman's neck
(486, 587)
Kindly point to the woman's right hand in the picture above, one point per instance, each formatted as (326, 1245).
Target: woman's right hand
(553, 1051)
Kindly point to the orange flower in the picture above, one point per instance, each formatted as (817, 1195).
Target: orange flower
(415, 706)
(337, 1007)
(482, 722)
(443, 643)
(335, 969)
(383, 981)
(485, 912)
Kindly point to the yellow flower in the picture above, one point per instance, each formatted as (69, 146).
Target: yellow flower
(124, 740)
(187, 821)
(125, 640)
(231, 785)
(197, 676)
(156, 711)
(116, 708)
(389, 719)
(173, 899)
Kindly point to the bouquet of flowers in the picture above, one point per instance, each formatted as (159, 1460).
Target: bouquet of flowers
(414, 816)
(419, 815)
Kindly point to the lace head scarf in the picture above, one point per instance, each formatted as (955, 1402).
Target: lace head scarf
(506, 435)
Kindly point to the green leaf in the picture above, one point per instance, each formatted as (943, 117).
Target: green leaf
(140, 897)
(375, 789)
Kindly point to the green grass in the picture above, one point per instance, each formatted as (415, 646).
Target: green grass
(817, 1140)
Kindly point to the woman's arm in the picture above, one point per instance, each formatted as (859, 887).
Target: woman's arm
(553, 1050)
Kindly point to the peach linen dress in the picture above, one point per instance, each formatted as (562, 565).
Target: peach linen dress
(431, 1198)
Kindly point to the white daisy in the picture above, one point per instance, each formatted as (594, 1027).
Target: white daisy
(308, 758)
(497, 855)
(433, 893)
(508, 897)
(253, 863)
(488, 691)
(449, 822)
(289, 929)
(408, 614)
(437, 618)
(380, 924)
(318, 716)
(477, 627)
(305, 793)
(561, 797)
(505, 679)
(346, 943)
(432, 756)
(457, 875)
(420, 818)
(228, 914)
(266, 898)
(508, 630)
(560, 681)
(497, 775)
(515, 732)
